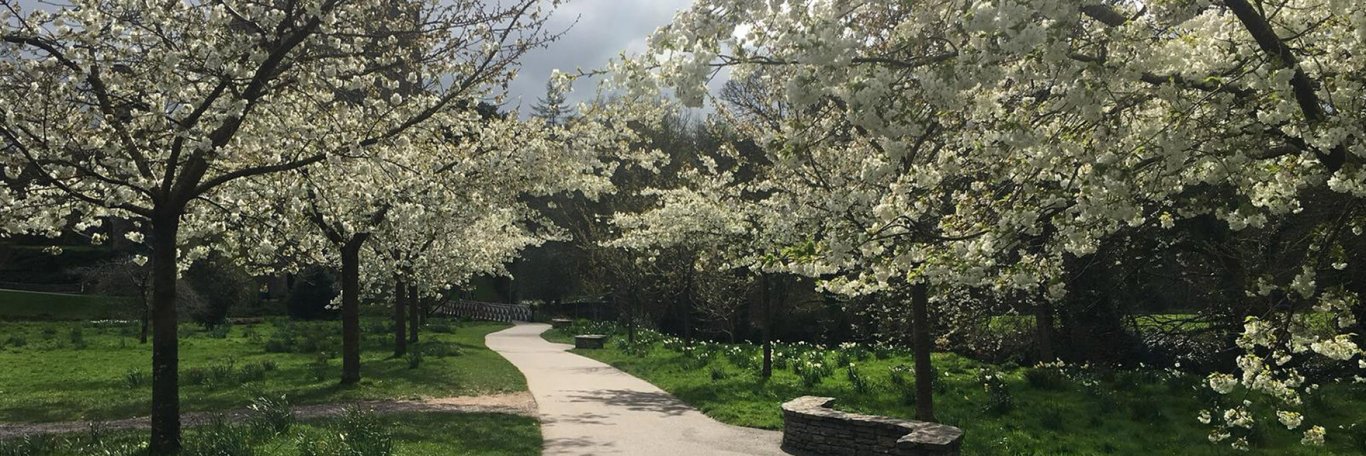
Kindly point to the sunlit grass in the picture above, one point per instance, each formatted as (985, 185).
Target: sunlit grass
(48, 376)
(1099, 412)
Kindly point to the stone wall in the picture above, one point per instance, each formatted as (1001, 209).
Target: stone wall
(811, 427)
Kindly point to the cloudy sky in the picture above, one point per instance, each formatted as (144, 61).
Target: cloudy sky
(603, 29)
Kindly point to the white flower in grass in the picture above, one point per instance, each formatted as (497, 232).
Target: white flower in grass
(1313, 436)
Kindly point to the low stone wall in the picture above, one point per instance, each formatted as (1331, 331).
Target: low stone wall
(811, 427)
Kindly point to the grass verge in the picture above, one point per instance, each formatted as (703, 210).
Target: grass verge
(87, 371)
(404, 434)
(1027, 411)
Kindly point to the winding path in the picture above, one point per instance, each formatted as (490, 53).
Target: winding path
(590, 408)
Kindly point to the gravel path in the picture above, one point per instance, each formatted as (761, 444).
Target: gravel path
(513, 403)
(590, 408)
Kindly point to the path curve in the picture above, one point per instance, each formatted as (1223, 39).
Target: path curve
(590, 408)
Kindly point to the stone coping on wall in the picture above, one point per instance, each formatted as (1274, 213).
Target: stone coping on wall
(812, 427)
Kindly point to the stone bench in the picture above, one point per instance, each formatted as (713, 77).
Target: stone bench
(811, 427)
(589, 341)
(558, 323)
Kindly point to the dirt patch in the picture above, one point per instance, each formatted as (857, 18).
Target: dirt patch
(511, 403)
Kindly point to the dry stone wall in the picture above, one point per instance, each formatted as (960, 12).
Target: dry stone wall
(812, 427)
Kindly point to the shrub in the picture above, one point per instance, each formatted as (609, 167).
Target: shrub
(312, 291)
(1045, 378)
(217, 285)
(414, 359)
(134, 378)
(269, 417)
(219, 438)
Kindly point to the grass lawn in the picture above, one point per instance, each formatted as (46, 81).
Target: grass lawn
(56, 371)
(30, 305)
(1088, 411)
(411, 434)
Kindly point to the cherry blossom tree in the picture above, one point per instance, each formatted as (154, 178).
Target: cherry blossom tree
(142, 110)
(991, 144)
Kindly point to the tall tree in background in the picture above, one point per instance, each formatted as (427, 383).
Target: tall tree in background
(551, 106)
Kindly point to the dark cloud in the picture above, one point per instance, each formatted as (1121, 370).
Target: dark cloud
(598, 30)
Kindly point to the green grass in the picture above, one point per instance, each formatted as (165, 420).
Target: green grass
(51, 377)
(1094, 412)
(29, 305)
(413, 434)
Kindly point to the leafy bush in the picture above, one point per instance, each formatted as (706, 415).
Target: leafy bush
(134, 378)
(219, 438)
(312, 291)
(218, 285)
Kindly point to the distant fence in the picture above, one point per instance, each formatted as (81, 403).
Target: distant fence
(490, 311)
(73, 288)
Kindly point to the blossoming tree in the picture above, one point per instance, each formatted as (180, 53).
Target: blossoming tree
(140, 111)
(990, 144)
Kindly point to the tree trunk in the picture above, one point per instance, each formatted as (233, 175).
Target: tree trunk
(687, 310)
(416, 314)
(350, 311)
(165, 343)
(767, 332)
(920, 335)
(1043, 325)
(400, 302)
(145, 323)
